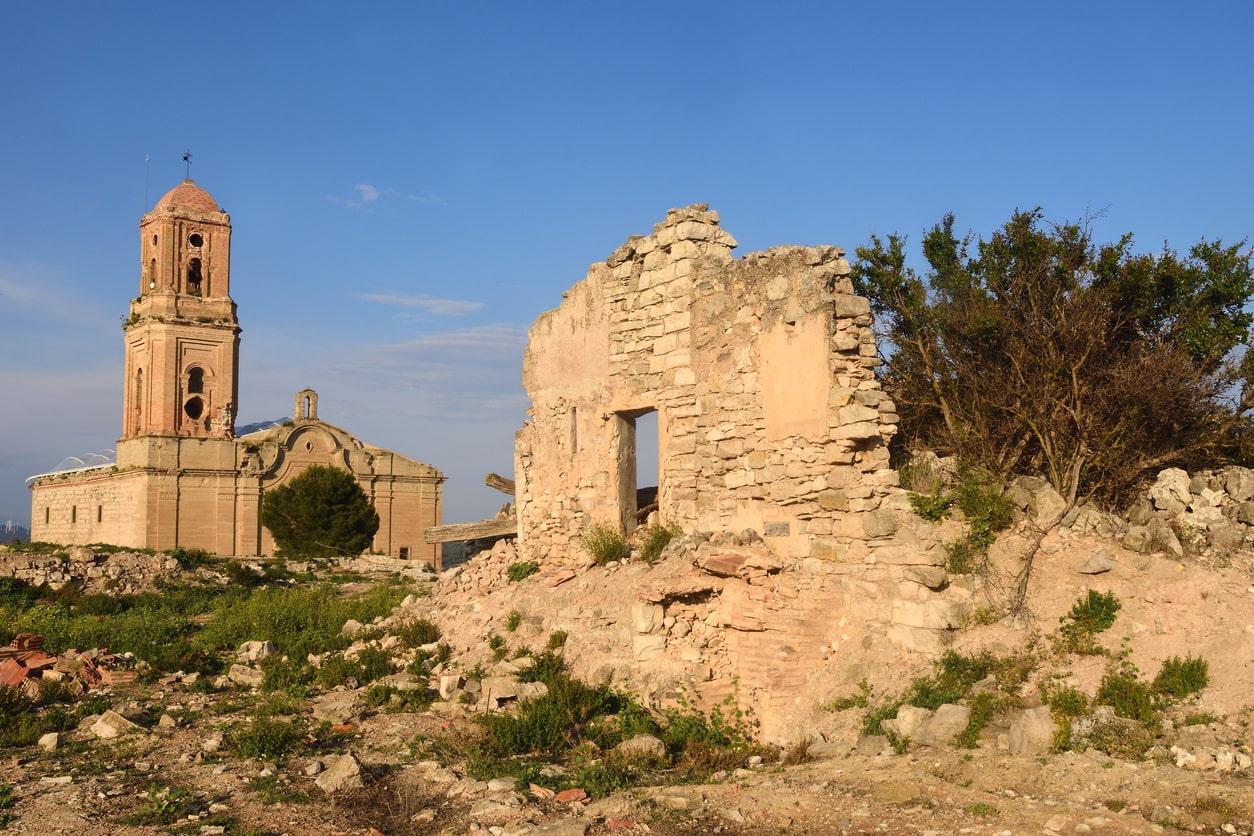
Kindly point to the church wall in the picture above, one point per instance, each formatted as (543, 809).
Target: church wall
(102, 506)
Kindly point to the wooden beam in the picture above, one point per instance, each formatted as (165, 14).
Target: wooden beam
(500, 483)
(471, 531)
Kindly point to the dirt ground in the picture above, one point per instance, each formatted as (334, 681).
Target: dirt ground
(89, 787)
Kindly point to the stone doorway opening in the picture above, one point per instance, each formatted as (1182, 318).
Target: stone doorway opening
(638, 465)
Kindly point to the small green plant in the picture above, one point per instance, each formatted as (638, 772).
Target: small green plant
(7, 800)
(393, 699)
(512, 621)
(499, 647)
(426, 661)
(858, 700)
(418, 632)
(164, 806)
(557, 639)
(1092, 614)
(265, 739)
(521, 569)
(933, 506)
(1128, 696)
(982, 809)
(604, 543)
(656, 538)
(1204, 718)
(1178, 678)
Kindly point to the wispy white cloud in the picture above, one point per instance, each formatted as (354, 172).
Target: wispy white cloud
(367, 194)
(467, 373)
(431, 304)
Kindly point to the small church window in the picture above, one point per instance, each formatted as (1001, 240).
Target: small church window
(195, 240)
(194, 408)
(196, 380)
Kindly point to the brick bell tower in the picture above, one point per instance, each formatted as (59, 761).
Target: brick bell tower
(182, 337)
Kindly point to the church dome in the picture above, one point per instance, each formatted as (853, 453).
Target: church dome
(190, 195)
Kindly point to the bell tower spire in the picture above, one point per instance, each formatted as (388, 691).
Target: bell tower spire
(182, 336)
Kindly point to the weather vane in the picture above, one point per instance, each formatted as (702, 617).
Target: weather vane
(187, 159)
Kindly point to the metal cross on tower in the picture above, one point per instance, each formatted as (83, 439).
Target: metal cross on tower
(187, 159)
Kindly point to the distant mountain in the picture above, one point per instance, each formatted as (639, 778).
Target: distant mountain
(11, 531)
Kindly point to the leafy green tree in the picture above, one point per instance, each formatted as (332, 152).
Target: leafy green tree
(323, 512)
(1040, 351)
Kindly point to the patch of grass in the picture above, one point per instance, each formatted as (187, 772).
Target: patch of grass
(164, 806)
(1179, 678)
(265, 739)
(656, 538)
(300, 620)
(982, 809)
(1128, 696)
(499, 647)
(371, 663)
(391, 699)
(1089, 616)
(286, 675)
(426, 661)
(1204, 718)
(7, 800)
(513, 620)
(418, 632)
(521, 569)
(274, 790)
(604, 543)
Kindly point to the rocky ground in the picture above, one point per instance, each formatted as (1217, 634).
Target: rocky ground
(370, 771)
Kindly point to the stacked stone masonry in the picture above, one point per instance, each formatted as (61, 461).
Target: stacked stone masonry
(771, 425)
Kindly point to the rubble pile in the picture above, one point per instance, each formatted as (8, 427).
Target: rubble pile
(24, 666)
(117, 572)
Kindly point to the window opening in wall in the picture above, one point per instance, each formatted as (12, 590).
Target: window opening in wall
(47, 515)
(194, 277)
(195, 240)
(194, 408)
(404, 552)
(196, 380)
(73, 513)
(139, 398)
(304, 408)
(573, 418)
(637, 458)
(99, 513)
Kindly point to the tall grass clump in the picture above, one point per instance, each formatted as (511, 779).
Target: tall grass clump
(604, 543)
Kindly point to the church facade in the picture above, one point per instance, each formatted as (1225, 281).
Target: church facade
(182, 477)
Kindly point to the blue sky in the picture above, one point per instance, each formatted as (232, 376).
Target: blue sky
(411, 184)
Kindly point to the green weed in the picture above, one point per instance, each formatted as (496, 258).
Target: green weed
(604, 543)
(522, 569)
(1093, 614)
(265, 739)
(1178, 678)
(654, 539)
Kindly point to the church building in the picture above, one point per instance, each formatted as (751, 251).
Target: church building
(182, 477)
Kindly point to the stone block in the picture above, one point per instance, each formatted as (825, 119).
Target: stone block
(943, 726)
(646, 617)
(1032, 731)
(647, 648)
(936, 614)
(880, 523)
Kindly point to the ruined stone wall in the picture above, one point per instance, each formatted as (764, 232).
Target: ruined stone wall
(761, 371)
(771, 426)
